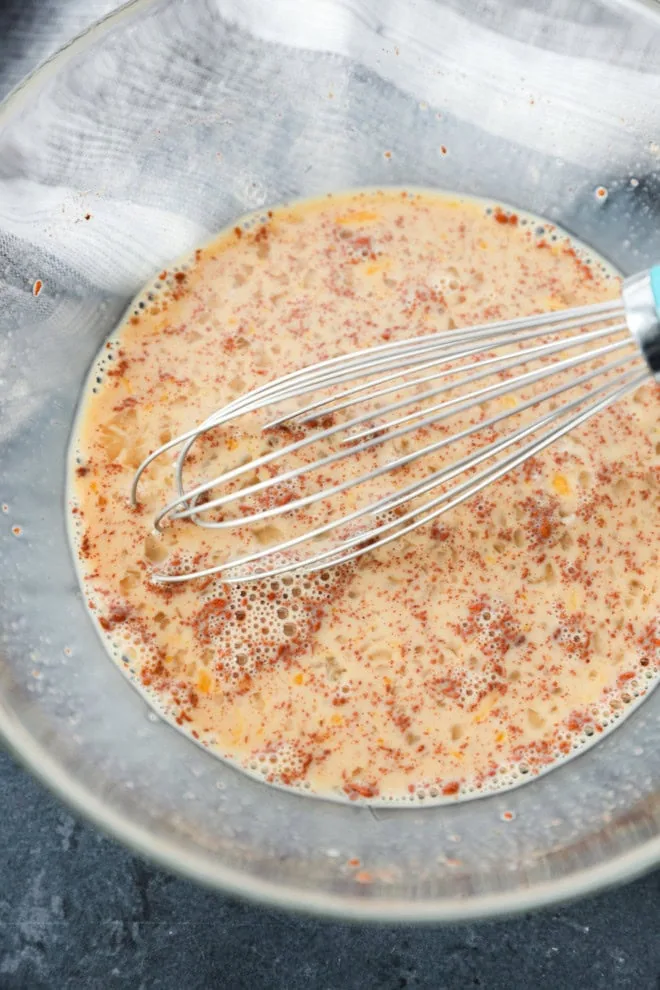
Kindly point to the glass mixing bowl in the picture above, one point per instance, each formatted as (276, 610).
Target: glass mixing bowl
(135, 143)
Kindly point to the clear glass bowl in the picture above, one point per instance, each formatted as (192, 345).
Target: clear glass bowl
(138, 141)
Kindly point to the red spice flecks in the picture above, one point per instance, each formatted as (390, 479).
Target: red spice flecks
(452, 788)
(128, 403)
(120, 369)
(402, 721)
(504, 218)
(357, 786)
(440, 533)
(649, 644)
(85, 546)
(291, 776)
(537, 754)
(116, 616)
(582, 267)
(300, 758)
(321, 422)
(154, 672)
(37, 287)
(541, 522)
(573, 635)
(494, 622)
(577, 721)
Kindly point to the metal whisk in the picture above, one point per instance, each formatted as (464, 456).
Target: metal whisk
(621, 338)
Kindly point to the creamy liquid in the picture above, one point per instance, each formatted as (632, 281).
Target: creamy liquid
(484, 647)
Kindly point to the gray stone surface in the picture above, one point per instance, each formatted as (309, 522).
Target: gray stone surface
(78, 912)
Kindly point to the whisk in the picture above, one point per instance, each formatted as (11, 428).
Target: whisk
(624, 345)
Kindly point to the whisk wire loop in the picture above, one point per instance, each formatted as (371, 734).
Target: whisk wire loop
(386, 381)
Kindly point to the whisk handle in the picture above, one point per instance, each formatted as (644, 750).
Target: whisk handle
(641, 301)
(654, 275)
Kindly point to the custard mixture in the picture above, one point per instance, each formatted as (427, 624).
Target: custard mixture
(464, 657)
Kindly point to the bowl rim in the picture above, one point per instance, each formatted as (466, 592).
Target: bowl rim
(198, 867)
